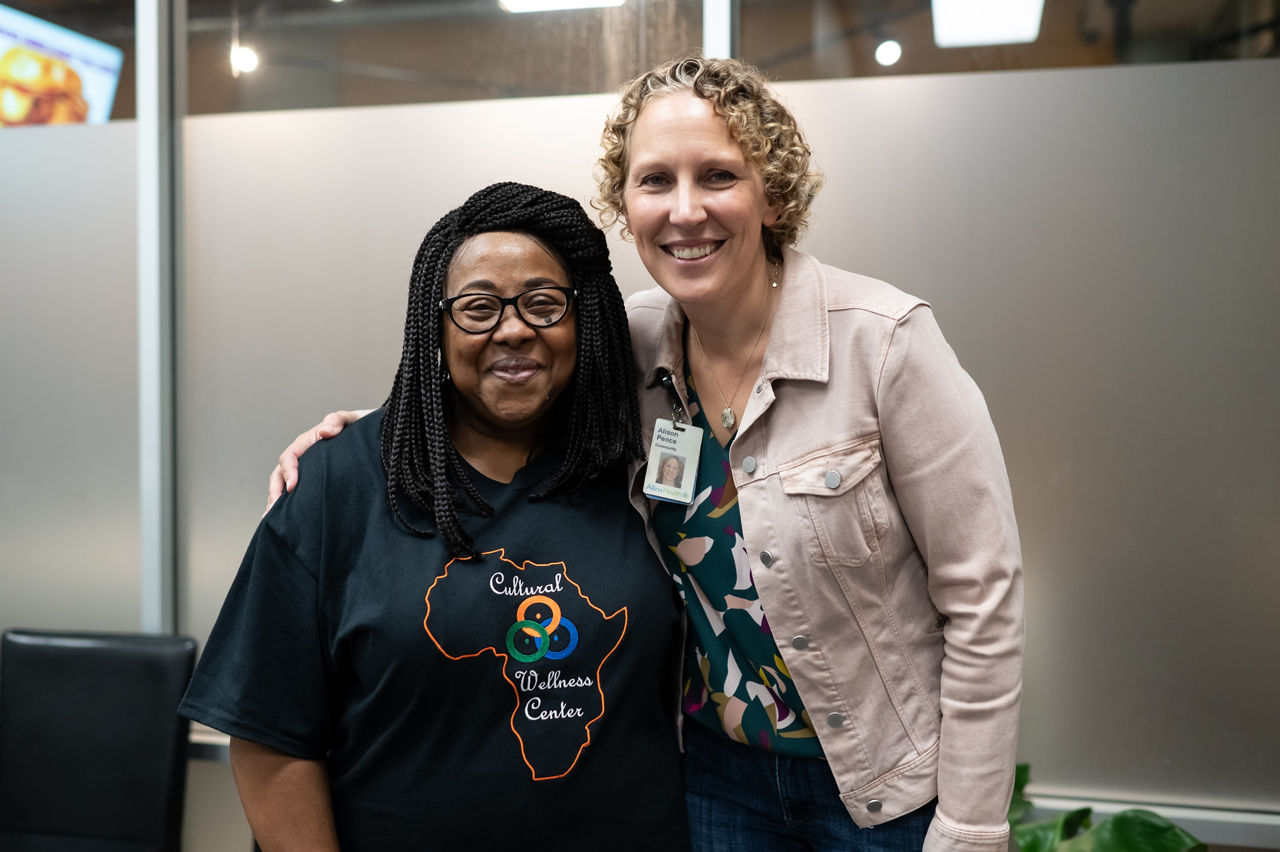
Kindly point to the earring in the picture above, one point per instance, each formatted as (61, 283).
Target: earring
(441, 370)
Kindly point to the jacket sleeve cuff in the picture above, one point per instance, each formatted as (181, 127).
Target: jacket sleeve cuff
(948, 837)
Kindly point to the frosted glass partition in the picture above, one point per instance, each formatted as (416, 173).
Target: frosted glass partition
(68, 379)
(1099, 247)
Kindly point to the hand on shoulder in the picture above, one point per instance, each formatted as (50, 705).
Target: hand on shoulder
(284, 476)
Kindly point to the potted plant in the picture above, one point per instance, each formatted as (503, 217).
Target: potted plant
(1133, 830)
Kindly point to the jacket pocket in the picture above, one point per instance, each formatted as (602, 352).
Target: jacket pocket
(838, 492)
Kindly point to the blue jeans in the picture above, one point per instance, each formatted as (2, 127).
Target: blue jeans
(744, 799)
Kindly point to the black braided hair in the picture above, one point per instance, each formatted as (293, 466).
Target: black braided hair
(602, 426)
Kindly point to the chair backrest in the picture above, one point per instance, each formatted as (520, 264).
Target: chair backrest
(92, 750)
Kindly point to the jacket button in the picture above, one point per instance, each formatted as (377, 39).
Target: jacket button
(833, 479)
(760, 388)
(835, 720)
(749, 465)
(766, 558)
(874, 806)
(800, 643)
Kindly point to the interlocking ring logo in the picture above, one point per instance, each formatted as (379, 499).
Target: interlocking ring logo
(534, 636)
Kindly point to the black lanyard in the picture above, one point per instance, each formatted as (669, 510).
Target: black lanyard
(678, 413)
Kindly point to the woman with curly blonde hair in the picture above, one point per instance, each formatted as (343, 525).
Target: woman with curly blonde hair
(762, 126)
(850, 560)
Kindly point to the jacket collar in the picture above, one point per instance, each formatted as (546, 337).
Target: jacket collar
(800, 340)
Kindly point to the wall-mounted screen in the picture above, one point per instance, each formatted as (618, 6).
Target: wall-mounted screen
(52, 75)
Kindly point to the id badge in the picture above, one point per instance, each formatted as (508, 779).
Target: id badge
(672, 472)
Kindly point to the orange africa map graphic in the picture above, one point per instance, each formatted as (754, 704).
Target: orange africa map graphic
(551, 639)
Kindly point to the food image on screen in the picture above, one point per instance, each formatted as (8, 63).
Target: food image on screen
(52, 75)
(39, 89)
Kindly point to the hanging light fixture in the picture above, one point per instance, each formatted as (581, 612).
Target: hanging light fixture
(519, 6)
(970, 23)
(244, 59)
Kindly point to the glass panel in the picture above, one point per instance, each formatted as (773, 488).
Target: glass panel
(815, 39)
(69, 501)
(317, 53)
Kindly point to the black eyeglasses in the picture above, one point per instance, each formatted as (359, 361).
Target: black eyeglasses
(476, 313)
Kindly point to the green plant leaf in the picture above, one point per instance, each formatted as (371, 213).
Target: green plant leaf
(1048, 835)
(1134, 831)
(1020, 806)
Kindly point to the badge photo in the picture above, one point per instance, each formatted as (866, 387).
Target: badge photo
(672, 472)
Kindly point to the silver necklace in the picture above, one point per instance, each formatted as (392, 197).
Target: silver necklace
(727, 416)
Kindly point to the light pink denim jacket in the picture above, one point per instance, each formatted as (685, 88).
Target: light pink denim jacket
(880, 530)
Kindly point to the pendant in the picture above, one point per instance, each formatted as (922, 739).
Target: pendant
(727, 418)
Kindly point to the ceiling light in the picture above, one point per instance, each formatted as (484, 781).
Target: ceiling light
(888, 52)
(555, 5)
(243, 59)
(969, 23)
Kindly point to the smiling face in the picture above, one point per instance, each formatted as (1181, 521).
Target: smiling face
(504, 382)
(694, 204)
(671, 471)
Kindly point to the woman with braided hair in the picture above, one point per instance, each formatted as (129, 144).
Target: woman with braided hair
(453, 634)
(845, 540)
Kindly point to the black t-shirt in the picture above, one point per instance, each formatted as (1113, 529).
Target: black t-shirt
(528, 697)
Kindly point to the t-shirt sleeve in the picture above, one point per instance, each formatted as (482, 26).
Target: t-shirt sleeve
(263, 674)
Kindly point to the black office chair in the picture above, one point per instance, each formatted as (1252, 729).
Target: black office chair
(92, 752)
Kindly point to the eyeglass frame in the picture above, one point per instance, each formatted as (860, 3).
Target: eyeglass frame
(446, 307)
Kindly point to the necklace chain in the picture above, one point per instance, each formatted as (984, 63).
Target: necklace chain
(727, 416)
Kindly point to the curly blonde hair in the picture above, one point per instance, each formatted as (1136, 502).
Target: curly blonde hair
(766, 130)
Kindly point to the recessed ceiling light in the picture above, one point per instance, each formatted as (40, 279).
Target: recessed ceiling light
(969, 23)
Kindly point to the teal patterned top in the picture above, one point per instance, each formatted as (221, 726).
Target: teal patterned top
(734, 680)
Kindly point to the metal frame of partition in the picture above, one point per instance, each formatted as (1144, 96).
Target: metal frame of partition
(720, 19)
(160, 87)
